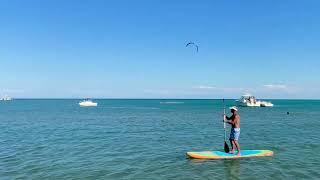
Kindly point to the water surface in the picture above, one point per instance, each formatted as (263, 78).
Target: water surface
(148, 139)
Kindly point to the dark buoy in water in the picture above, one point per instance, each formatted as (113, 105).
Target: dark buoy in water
(288, 113)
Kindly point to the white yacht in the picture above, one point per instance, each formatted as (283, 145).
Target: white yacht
(248, 100)
(87, 103)
(6, 98)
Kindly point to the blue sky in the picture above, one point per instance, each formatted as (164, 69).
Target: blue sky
(136, 49)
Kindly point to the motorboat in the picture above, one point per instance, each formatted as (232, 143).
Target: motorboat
(87, 103)
(248, 100)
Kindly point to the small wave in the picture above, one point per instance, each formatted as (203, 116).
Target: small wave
(171, 102)
(145, 108)
(134, 108)
(117, 107)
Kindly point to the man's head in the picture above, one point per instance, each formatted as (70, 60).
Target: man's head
(233, 109)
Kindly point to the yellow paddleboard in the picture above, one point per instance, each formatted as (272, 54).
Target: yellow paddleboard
(222, 155)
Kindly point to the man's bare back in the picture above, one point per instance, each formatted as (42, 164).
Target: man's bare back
(236, 120)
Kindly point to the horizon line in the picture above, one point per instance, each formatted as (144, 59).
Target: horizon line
(77, 98)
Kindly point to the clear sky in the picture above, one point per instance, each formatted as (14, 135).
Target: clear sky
(136, 49)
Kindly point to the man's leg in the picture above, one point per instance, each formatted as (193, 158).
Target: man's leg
(232, 145)
(238, 146)
(231, 141)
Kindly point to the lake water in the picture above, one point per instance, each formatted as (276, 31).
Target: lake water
(148, 139)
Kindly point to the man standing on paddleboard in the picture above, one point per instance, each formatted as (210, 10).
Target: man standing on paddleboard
(234, 120)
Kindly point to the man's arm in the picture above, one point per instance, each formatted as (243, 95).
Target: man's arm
(233, 121)
(227, 119)
(230, 122)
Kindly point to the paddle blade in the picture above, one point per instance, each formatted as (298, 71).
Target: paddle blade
(226, 147)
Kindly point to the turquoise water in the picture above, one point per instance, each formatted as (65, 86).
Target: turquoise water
(148, 139)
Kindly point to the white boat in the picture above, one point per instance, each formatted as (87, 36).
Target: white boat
(248, 100)
(6, 98)
(87, 103)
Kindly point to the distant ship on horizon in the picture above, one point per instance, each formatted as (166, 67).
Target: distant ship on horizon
(87, 103)
(6, 98)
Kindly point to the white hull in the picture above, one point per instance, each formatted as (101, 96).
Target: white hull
(257, 104)
(266, 104)
(87, 103)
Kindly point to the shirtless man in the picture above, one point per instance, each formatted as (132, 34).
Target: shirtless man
(234, 120)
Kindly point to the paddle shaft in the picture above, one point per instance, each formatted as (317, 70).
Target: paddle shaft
(226, 147)
(224, 124)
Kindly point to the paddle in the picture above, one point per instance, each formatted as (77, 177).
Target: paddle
(226, 147)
